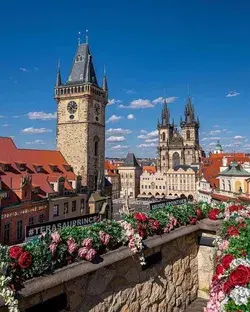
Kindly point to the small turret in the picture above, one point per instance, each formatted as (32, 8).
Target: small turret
(58, 76)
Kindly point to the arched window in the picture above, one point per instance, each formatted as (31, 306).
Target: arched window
(163, 157)
(223, 184)
(188, 135)
(176, 159)
(163, 136)
(229, 186)
(96, 145)
(79, 58)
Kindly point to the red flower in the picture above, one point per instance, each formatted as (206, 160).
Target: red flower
(240, 276)
(215, 277)
(15, 252)
(192, 220)
(198, 213)
(232, 231)
(25, 260)
(212, 215)
(242, 225)
(227, 287)
(154, 224)
(140, 217)
(219, 269)
(235, 208)
(226, 261)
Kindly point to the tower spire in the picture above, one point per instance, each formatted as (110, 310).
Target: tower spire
(79, 38)
(58, 75)
(87, 37)
(165, 115)
(104, 83)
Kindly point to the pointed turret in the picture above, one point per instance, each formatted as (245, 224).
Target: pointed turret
(165, 115)
(189, 112)
(82, 70)
(104, 81)
(58, 76)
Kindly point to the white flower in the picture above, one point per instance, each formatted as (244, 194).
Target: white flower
(240, 295)
(236, 262)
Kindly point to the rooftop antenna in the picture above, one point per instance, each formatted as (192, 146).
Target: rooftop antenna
(87, 37)
(79, 38)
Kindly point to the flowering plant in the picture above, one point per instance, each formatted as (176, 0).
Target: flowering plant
(230, 288)
(49, 252)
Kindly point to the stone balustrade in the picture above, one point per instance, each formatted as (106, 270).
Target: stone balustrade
(178, 268)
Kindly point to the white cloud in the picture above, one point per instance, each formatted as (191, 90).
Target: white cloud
(23, 69)
(130, 117)
(118, 147)
(32, 130)
(226, 131)
(6, 125)
(137, 104)
(152, 134)
(211, 138)
(216, 126)
(160, 100)
(116, 139)
(41, 115)
(151, 140)
(213, 132)
(232, 93)
(143, 131)
(246, 145)
(228, 145)
(212, 144)
(1, 116)
(129, 91)
(149, 135)
(238, 137)
(114, 118)
(118, 131)
(35, 142)
(113, 101)
(147, 145)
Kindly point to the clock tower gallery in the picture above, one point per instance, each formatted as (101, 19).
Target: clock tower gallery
(81, 118)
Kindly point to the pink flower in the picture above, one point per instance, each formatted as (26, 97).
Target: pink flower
(223, 245)
(55, 237)
(53, 247)
(91, 254)
(87, 243)
(72, 247)
(70, 241)
(82, 252)
(104, 237)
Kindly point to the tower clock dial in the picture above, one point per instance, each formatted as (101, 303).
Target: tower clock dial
(97, 108)
(72, 107)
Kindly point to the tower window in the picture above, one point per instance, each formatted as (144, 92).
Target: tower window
(163, 136)
(96, 147)
(188, 135)
(79, 58)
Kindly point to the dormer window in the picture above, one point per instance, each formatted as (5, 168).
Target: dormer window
(21, 166)
(79, 58)
(39, 169)
(54, 168)
(6, 167)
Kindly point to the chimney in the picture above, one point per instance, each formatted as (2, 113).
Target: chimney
(224, 161)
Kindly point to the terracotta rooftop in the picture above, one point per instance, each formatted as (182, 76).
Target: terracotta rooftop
(10, 154)
(149, 169)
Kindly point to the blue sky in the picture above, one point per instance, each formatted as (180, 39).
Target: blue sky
(147, 47)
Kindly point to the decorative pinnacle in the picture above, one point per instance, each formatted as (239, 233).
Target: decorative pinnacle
(58, 64)
(188, 89)
(104, 70)
(87, 37)
(79, 38)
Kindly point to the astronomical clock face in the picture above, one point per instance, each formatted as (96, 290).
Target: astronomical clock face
(72, 107)
(97, 108)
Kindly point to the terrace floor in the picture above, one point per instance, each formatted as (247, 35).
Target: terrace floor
(197, 306)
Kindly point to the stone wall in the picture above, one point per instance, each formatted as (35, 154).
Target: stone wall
(118, 283)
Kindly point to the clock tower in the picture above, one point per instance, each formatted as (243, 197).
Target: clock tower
(81, 104)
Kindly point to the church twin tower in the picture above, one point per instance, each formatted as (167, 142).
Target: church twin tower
(175, 149)
(81, 118)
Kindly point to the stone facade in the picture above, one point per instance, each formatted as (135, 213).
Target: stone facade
(172, 183)
(81, 119)
(130, 181)
(118, 283)
(176, 148)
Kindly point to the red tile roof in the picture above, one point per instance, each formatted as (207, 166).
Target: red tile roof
(109, 166)
(10, 154)
(149, 169)
(211, 165)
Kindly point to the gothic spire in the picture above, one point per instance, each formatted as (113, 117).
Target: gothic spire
(82, 70)
(165, 115)
(189, 112)
(58, 76)
(105, 82)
